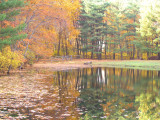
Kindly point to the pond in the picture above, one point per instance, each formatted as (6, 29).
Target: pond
(89, 93)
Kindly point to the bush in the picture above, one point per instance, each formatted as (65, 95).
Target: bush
(31, 57)
(9, 59)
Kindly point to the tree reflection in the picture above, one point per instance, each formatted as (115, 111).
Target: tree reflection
(111, 93)
(149, 105)
(117, 91)
(92, 93)
(91, 100)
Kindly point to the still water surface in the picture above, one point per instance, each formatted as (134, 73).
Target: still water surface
(90, 93)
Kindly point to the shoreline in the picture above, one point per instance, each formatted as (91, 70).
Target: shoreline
(78, 64)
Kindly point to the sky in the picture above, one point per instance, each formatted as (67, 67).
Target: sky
(124, 3)
(142, 2)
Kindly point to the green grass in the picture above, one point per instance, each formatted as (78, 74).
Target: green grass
(147, 65)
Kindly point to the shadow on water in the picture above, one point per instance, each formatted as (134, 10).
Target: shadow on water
(90, 93)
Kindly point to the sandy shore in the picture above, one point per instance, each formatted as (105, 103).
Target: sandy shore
(63, 65)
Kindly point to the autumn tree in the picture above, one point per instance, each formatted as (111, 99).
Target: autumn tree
(51, 27)
(149, 28)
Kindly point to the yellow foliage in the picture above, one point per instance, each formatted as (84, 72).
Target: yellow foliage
(9, 58)
(3, 63)
(144, 56)
(30, 57)
(125, 54)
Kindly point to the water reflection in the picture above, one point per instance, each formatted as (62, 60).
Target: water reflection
(112, 93)
(91, 93)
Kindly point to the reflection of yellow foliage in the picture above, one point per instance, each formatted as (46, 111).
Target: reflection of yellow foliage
(154, 82)
(149, 106)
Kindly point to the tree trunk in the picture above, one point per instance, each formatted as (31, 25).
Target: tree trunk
(133, 51)
(59, 43)
(158, 56)
(105, 51)
(121, 55)
(92, 55)
(114, 52)
(147, 55)
(83, 55)
(138, 54)
(114, 56)
(66, 45)
(77, 46)
(9, 69)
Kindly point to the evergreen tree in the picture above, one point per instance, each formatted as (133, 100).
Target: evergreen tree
(122, 29)
(131, 22)
(93, 28)
(115, 38)
(9, 34)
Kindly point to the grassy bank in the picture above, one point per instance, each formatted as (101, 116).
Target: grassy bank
(75, 64)
(134, 64)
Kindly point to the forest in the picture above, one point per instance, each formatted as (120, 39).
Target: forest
(80, 59)
(92, 29)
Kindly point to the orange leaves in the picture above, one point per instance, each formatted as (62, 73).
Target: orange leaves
(26, 40)
(45, 21)
(6, 23)
(21, 44)
(43, 44)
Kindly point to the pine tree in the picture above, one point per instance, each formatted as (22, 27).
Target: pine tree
(93, 28)
(9, 34)
(115, 27)
(122, 22)
(131, 17)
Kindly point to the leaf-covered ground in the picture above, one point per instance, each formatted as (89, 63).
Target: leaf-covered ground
(34, 96)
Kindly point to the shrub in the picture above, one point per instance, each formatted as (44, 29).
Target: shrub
(9, 59)
(31, 57)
